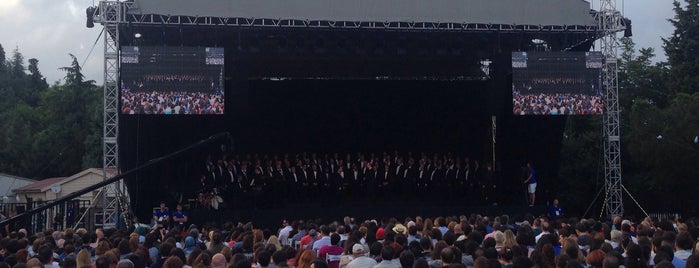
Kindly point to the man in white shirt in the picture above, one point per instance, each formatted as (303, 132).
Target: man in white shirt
(324, 239)
(545, 229)
(360, 259)
(284, 232)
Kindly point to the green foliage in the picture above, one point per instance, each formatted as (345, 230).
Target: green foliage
(639, 78)
(582, 169)
(48, 131)
(682, 48)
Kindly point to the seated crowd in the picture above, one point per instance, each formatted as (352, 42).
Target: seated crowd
(171, 102)
(312, 175)
(556, 104)
(454, 241)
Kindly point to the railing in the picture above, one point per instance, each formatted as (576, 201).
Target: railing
(64, 215)
(40, 215)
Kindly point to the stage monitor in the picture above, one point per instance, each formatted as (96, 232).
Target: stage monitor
(556, 83)
(172, 80)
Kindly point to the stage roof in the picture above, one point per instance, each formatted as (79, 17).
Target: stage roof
(508, 12)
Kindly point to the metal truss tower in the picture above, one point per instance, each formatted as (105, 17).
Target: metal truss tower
(610, 23)
(114, 198)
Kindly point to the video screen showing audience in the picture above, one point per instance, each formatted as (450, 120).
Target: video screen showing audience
(172, 80)
(557, 83)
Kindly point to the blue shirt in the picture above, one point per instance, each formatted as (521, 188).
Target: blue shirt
(555, 212)
(160, 214)
(179, 215)
(533, 176)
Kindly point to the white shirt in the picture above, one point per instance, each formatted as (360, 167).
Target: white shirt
(284, 234)
(361, 262)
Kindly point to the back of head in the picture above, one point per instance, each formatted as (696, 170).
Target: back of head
(165, 249)
(263, 257)
(102, 262)
(611, 262)
(279, 257)
(684, 241)
(86, 238)
(421, 263)
(412, 230)
(243, 264)
(138, 260)
(319, 263)
(218, 261)
(595, 258)
(67, 263)
(573, 264)
(387, 253)
(664, 264)
(522, 262)
(407, 259)
(334, 239)
(34, 263)
(173, 262)
(425, 243)
(45, 254)
(125, 263)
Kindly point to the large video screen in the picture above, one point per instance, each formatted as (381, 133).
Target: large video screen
(172, 80)
(556, 83)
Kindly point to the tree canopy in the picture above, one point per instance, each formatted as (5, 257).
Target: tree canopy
(47, 130)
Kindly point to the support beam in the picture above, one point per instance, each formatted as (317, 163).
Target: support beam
(110, 14)
(610, 23)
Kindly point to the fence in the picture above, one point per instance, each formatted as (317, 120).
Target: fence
(64, 215)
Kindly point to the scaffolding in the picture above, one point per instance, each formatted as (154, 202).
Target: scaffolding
(114, 197)
(610, 23)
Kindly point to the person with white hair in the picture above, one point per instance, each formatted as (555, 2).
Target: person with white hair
(360, 260)
(615, 236)
(125, 263)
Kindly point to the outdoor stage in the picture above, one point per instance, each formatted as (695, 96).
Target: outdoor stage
(347, 77)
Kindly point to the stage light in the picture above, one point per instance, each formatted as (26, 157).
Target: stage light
(659, 137)
(90, 12)
(137, 35)
(627, 30)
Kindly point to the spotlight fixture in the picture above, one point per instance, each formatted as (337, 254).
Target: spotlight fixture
(90, 13)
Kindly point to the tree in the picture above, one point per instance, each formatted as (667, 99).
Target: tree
(47, 131)
(582, 167)
(639, 78)
(74, 75)
(71, 126)
(682, 48)
(36, 83)
(2, 59)
(17, 65)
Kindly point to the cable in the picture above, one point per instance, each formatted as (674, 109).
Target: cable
(93, 47)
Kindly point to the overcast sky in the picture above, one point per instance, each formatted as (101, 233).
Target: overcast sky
(50, 29)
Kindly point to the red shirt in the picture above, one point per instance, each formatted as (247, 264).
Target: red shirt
(332, 250)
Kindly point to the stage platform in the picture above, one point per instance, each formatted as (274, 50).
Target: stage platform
(326, 212)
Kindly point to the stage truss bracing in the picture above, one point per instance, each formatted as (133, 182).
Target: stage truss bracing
(610, 23)
(114, 196)
(155, 19)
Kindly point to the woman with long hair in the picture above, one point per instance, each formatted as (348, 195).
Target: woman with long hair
(306, 259)
(83, 259)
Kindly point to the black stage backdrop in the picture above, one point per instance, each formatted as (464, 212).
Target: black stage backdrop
(373, 91)
(328, 116)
